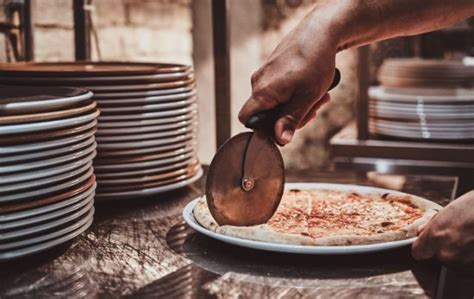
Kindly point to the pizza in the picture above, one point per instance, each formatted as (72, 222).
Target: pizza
(332, 217)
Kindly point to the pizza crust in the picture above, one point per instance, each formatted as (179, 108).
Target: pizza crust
(266, 233)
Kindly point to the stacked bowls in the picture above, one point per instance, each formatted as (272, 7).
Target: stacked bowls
(148, 124)
(423, 100)
(47, 184)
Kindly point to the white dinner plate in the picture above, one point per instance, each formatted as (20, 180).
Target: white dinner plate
(24, 232)
(432, 95)
(425, 105)
(144, 164)
(47, 190)
(420, 134)
(148, 191)
(148, 150)
(147, 108)
(140, 158)
(48, 125)
(28, 147)
(13, 216)
(146, 129)
(47, 216)
(29, 103)
(418, 109)
(148, 115)
(299, 249)
(145, 143)
(151, 100)
(147, 136)
(435, 127)
(48, 162)
(413, 115)
(303, 249)
(41, 173)
(141, 93)
(149, 178)
(16, 253)
(80, 80)
(37, 183)
(47, 153)
(149, 171)
(147, 122)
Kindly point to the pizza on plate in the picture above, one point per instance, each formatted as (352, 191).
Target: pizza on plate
(332, 217)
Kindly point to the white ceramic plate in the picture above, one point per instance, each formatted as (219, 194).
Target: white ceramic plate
(442, 128)
(13, 216)
(148, 150)
(141, 158)
(47, 190)
(145, 143)
(47, 153)
(23, 233)
(85, 79)
(27, 106)
(142, 172)
(448, 109)
(16, 253)
(149, 191)
(147, 108)
(147, 122)
(28, 147)
(148, 100)
(145, 93)
(37, 183)
(48, 162)
(148, 115)
(145, 179)
(146, 129)
(47, 216)
(432, 95)
(147, 136)
(423, 105)
(48, 125)
(144, 164)
(301, 249)
(420, 135)
(413, 115)
(41, 173)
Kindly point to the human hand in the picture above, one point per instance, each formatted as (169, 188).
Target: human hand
(449, 236)
(294, 78)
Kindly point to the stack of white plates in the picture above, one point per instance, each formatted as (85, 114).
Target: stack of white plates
(441, 113)
(47, 183)
(147, 129)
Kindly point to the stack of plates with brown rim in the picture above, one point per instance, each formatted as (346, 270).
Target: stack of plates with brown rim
(148, 124)
(428, 73)
(47, 184)
(428, 101)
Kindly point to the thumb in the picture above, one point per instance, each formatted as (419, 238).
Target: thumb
(292, 114)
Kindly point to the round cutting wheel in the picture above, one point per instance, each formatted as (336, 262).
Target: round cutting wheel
(245, 181)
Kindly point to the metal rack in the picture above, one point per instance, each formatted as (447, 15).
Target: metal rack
(353, 147)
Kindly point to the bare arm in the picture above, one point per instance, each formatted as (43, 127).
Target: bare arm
(300, 69)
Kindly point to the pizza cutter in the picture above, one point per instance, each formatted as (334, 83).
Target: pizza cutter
(246, 177)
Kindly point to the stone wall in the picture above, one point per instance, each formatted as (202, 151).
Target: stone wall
(139, 30)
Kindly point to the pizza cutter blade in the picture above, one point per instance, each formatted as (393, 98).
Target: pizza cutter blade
(246, 177)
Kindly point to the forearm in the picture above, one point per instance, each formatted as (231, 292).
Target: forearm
(353, 23)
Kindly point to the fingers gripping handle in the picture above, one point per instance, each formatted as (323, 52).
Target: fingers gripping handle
(266, 120)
